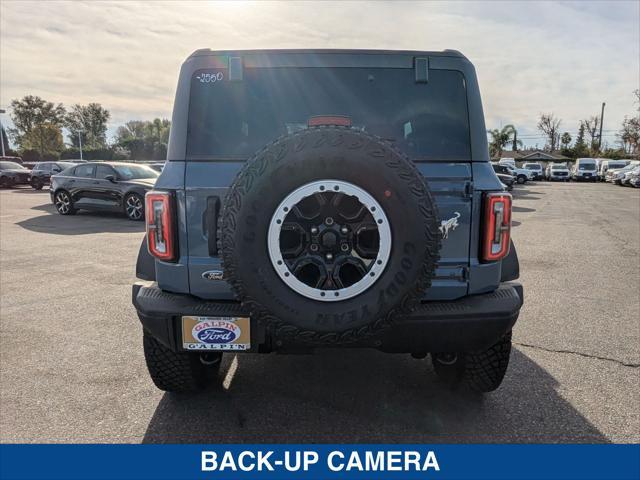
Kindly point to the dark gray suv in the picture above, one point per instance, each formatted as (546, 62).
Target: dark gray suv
(327, 198)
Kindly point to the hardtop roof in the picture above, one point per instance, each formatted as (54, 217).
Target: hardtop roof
(319, 51)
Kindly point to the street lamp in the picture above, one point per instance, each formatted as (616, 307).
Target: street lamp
(80, 132)
(2, 134)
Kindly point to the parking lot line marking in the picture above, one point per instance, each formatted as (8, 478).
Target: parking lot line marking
(226, 383)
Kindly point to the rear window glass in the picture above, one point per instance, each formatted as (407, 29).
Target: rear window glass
(84, 171)
(235, 119)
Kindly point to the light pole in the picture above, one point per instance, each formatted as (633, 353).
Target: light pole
(2, 132)
(80, 142)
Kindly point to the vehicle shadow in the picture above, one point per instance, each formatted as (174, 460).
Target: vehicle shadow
(82, 223)
(365, 396)
(515, 208)
(524, 195)
(31, 190)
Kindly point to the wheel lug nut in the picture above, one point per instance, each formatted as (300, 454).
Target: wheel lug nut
(344, 247)
(329, 256)
(328, 221)
(314, 247)
(344, 230)
(314, 230)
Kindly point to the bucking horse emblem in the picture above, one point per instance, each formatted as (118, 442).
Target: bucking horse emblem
(447, 225)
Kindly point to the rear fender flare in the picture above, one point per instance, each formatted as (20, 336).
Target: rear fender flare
(510, 265)
(146, 264)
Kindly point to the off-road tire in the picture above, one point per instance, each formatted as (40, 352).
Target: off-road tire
(341, 154)
(479, 371)
(177, 371)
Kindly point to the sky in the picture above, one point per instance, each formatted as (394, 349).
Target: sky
(531, 57)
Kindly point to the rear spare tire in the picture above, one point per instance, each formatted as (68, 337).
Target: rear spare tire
(327, 233)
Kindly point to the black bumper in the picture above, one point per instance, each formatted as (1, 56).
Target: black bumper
(471, 323)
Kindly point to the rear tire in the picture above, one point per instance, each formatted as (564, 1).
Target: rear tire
(480, 371)
(178, 371)
(134, 207)
(37, 184)
(63, 203)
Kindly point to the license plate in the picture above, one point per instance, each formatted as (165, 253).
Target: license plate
(216, 333)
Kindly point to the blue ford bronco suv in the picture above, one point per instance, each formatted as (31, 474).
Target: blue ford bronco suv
(327, 198)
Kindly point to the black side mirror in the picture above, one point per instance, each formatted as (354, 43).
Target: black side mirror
(111, 178)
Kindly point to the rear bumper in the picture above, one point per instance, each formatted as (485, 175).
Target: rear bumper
(472, 323)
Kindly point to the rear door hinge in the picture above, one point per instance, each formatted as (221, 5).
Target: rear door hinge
(468, 189)
(465, 274)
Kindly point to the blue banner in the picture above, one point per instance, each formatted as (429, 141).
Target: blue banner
(319, 462)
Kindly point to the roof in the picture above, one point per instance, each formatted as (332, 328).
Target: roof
(532, 155)
(442, 53)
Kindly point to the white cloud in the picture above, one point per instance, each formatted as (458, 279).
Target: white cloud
(531, 57)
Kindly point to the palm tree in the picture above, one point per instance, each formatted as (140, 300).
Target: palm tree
(501, 138)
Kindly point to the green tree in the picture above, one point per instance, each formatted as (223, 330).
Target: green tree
(90, 121)
(501, 138)
(565, 139)
(145, 140)
(45, 138)
(30, 112)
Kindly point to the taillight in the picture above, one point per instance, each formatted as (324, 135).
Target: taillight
(497, 226)
(160, 225)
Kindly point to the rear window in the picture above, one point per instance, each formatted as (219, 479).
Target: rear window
(85, 171)
(235, 119)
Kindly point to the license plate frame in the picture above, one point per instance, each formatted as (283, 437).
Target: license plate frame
(215, 333)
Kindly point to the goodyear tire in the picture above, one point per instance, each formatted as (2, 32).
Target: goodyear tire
(480, 371)
(178, 371)
(347, 161)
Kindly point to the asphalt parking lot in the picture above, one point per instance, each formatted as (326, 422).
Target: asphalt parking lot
(72, 368)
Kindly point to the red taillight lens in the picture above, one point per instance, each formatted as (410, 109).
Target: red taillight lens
(497, 226)
(160, 225)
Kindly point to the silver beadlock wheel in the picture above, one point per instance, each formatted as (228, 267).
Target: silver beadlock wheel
(134, 207)
(63, 203)
(329, 240)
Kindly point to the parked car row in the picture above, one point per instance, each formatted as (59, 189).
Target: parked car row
(626, 176)
(12, 173)
(583, 169)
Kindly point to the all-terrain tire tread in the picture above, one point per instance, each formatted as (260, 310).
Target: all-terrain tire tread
(485, 370)
(171, 371)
